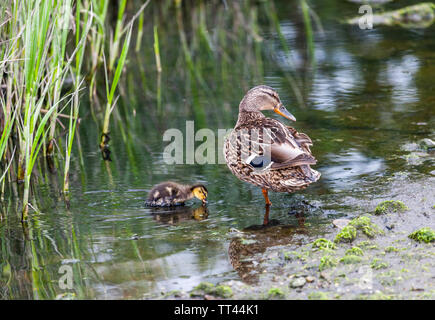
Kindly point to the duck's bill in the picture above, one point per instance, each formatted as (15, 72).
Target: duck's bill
(282, 111)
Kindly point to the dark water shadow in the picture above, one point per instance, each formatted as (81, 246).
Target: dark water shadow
(245, 248)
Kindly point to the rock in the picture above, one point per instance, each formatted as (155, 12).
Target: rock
(370, 1)
(427, 144)
(298, 283)
(340, 223)
(421, 15)
(310, 279)
(325, 276)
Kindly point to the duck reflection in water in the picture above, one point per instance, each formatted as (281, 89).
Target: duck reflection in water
(256, 239)
(175, 215)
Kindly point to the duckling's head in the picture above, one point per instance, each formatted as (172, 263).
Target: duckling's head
(200, 192)
(262, 98)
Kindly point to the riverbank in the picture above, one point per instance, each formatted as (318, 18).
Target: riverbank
(372, 257)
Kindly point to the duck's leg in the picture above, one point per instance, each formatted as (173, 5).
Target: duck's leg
(266, 216)
(266, 197)
(301, 219)
(268, 204)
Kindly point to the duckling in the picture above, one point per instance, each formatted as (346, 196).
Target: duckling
(167, 194)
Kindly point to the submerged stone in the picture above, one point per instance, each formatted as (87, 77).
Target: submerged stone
(298, 283)
(340, 223)
(427, 144)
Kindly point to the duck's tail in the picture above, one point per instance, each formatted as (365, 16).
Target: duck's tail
(310, 174)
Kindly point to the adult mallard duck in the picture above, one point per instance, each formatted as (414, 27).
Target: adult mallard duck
(265, 152)
(168, 194)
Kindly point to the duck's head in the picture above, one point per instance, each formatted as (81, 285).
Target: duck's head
(262, 98)
(200, 192)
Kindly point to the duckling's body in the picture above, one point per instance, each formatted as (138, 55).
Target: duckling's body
(265, 152)
(167, 194)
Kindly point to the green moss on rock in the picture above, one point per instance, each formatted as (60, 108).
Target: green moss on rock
(318, 295)
(391, 249)
(367, 245)
(347, 234)
(357, 251)
(223, 291)
(366, 226)
(210, 289)
(327, 262)
(423, 235)
(390, 206)
(275, 293)
(323, 243)
(350, 259)
(378, 264)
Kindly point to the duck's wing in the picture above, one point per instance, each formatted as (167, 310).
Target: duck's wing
(289, 148)
(278, 146)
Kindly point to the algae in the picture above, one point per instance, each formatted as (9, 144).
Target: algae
(390, 206)
(210, 289)
(357, 251)
(378, 264)
(327, 262)
(391, 249)
(323, 243)
(350, 259)
(423, 235)
(318, 295)
(275, 293)
(347, 234)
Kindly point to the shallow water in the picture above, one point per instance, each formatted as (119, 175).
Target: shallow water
(367, 96)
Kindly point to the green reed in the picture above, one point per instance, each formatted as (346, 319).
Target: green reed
(110, 93)
(35, 64)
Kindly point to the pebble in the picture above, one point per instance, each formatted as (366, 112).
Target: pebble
(298, 283)
(325, 276)
(310, 279)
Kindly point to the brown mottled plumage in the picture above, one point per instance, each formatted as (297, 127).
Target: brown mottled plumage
(169, 193)
(265, 152)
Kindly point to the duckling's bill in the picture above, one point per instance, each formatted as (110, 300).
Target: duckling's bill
(201, 193)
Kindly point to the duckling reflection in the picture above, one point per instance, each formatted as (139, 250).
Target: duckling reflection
(175, 215)
(255, 240)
